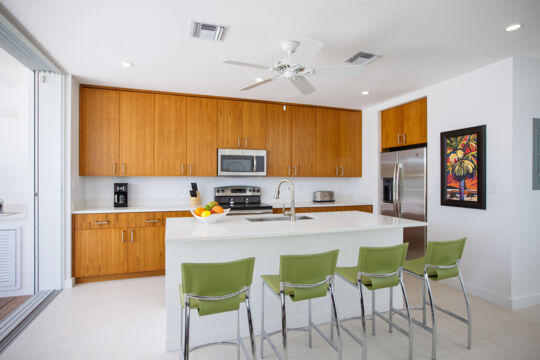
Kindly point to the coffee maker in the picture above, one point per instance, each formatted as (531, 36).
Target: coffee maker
(120, 195)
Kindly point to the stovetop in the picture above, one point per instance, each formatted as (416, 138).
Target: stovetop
(244, 206)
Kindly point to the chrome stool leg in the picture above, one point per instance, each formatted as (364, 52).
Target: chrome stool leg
(406, 300)
(336, 322)
(391, 309)
(310, 328)
(331, 322)
(284, 327)
(186, 332)
(262, 319)
(424, 302)
(469, 323)
(238, 334)
(433, 323)
(373, 312)
(250, 325)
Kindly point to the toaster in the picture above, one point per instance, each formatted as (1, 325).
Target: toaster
(323, 196)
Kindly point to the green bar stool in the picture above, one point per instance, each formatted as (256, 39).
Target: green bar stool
(440, 262)
(214, 288)
(378, 268)
(302, 277)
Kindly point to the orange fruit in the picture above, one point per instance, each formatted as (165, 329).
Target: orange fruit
(199, 211)
(206, 213)
(217, 210)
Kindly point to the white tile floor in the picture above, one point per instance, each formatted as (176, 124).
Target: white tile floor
(124, 319)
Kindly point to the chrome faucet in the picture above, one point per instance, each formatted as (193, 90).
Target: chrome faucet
(292, 212)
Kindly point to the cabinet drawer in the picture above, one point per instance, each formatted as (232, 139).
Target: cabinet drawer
(140, 219)
(94, 221)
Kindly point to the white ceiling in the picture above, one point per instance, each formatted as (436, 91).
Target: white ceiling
(421, 42)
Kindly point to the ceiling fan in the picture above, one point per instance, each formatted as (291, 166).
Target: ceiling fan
(294, 68)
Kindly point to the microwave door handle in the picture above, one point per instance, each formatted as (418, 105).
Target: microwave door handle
(254, 163)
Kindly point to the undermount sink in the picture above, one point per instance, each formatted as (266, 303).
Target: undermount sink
(284, 218)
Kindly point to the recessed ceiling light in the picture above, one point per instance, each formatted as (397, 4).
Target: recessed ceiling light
(365, 92)
(126, 64)
(513, 27)
(259, 79)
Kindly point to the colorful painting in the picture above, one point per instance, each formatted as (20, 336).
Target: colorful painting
(463, 167)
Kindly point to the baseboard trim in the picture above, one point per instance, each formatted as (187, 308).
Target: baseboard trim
(481, 292)
(521, 302)
(82, 280)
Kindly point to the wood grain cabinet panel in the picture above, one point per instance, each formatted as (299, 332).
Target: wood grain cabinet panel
(94, 221)
(415, 122)
(99, 252)
(136, 133)
(170, 135)
(146, 250)
(202, 137)
(350, 143)
(391, 127)
(99, 131)
(278, 140)
(328, 139)
(229, 114)
(304, 141)
(253, 125)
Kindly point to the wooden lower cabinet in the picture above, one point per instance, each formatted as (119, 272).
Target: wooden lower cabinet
(119, 245)
(363, 208)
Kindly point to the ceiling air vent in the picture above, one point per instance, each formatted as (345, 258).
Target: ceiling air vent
(206, 31)
(361, 58)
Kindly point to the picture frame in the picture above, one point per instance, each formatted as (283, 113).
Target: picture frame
(463, 167)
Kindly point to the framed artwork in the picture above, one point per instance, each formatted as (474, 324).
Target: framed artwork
(463, 167)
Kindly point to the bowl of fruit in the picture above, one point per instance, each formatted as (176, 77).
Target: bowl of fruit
(210, 213)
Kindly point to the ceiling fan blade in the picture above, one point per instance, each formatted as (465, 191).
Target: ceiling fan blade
(241, 63)
(339, 69)
(303, 85)
(307, 49)
(260, 82)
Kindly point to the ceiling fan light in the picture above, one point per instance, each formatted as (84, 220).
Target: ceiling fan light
(126, 64)
(259, 79)
(513, 27)
(365, 92)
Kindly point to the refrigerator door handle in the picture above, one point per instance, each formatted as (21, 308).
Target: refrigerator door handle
(394, 190)
(398, 184)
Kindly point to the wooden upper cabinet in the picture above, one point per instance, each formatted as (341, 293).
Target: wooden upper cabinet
(404, 125)
(170, 135)
(391, 127)
(327, 143)
(99, 130)
(350, 143)
(415, 122)
(136, 133)
(253, 125)
(304, 140)
(229, 114)
(278, 140)
(202, 128)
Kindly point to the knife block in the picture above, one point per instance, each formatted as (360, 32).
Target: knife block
(194, 201)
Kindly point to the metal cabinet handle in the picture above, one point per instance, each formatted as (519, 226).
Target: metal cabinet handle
(294, 170)
(101, 222)
(182, 169)
(238, 141)
(245, 141)
(152, 220)
(342, 171)
(123, 241)
(123, 168)
(114, 169)
(337, 174)
(189, 169)
(289, 170)
(399, 139)
(404, 138)
(131, 235)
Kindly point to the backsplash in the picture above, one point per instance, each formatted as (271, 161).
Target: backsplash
(98, 190)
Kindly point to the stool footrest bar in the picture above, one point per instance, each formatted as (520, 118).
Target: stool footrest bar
(414, 321)
(455, 316)
(397, 327)
(330, 342)
(351, 334)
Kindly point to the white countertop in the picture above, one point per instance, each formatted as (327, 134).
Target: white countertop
(238, 227)
(13, 212)
(186, 206)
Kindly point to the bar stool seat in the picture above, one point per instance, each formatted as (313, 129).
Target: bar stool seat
(300, 294)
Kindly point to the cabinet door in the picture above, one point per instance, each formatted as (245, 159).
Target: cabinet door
(202, 137)
(170, 128)
(99, 132)
(253, 126)
(327, 143)
(136, 133)
(278, 140)
(350, 143)
(415, 122)
(392, 127)
(99, 252)
(146, 249)
(229, 115)
(304, 135)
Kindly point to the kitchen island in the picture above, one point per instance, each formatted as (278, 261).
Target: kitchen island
(236, 237)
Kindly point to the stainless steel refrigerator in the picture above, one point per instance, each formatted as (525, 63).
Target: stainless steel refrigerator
(404, 193)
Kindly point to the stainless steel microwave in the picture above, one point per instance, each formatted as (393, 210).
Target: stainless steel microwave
(239, 162)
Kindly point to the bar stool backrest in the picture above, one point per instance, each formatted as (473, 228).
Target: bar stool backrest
(381, 261)
(444, 254)
(307, 270)
(212, 280)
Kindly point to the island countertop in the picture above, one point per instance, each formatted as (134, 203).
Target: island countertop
(239, 227)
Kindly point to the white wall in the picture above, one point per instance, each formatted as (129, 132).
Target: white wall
(480, 97)
(17, 160)
(526, 202)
